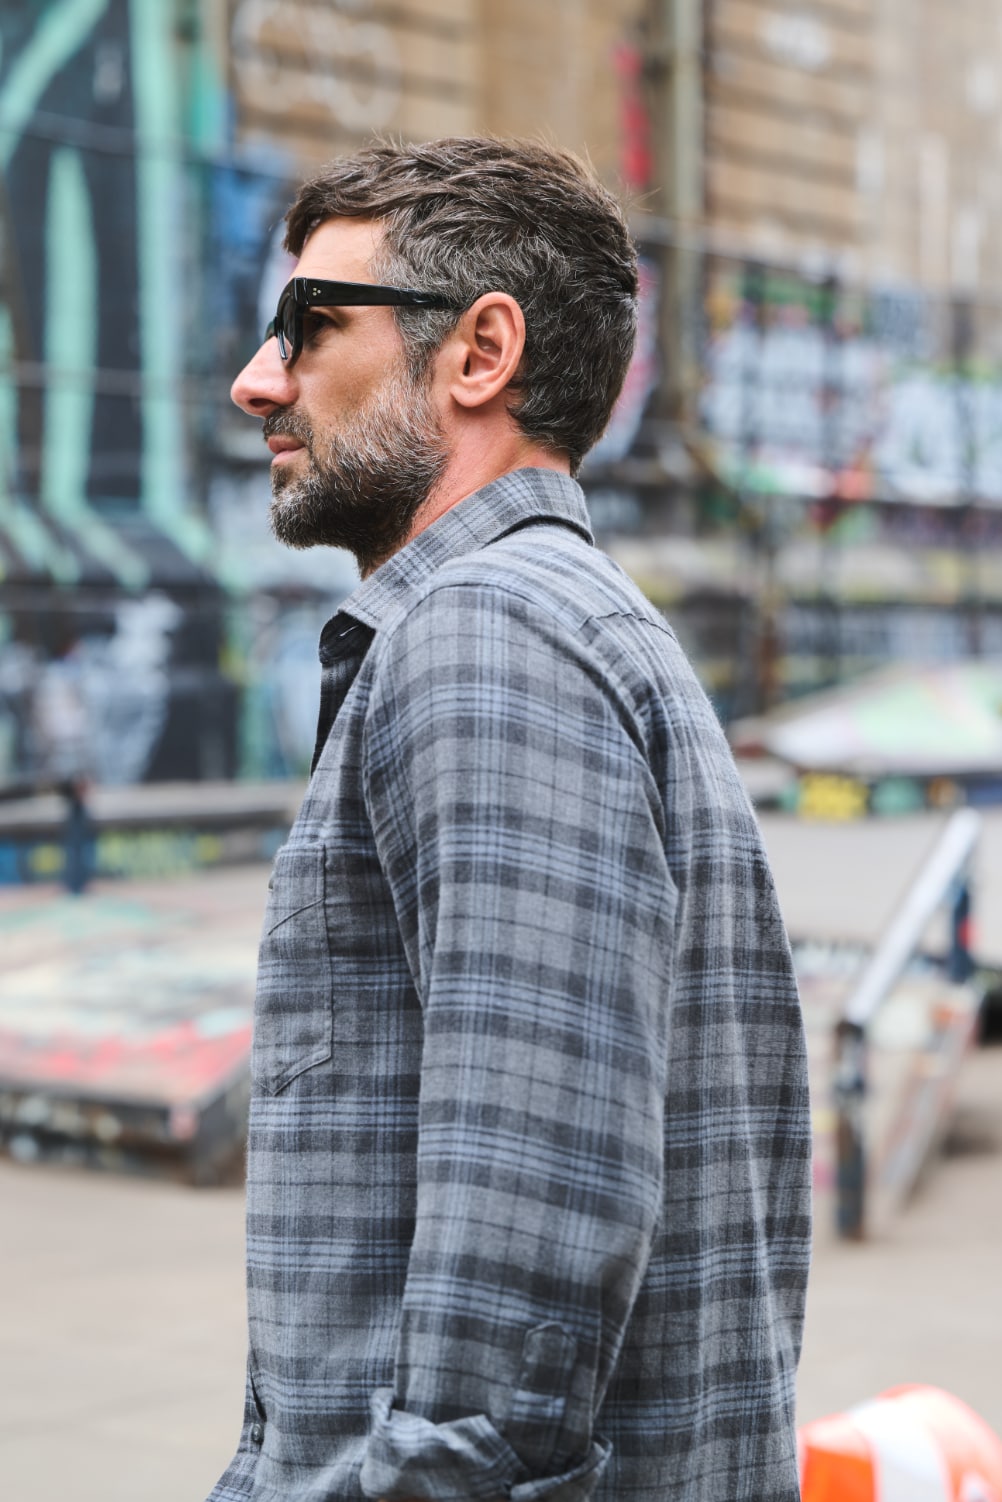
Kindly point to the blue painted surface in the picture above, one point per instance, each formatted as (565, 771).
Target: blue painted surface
(143, 605)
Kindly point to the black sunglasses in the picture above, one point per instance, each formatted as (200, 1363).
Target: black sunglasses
(305, 292)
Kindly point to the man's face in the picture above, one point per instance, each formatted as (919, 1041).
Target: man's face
(356, 440)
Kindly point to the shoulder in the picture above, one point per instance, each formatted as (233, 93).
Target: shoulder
(543, 617)
(546, 579)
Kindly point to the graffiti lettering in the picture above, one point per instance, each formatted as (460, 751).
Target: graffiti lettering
(922, 434)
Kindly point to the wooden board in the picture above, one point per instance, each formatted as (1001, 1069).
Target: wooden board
(796, 41)
(306, 70)
(768, 194)
(551, 70)
(788, 90)
(740, 132)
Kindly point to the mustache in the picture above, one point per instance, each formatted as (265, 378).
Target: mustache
(288, 422)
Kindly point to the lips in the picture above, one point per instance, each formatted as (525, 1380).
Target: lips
(279, 443)
(286, 432)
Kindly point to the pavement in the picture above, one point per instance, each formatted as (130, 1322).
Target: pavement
(921, 1301)
(122, 1302)
(122, 1336)
(122, 1315)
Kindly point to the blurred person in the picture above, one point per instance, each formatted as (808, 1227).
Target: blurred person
(528, 1164)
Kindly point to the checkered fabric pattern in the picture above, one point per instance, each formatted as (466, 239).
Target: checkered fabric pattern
(528, 1171)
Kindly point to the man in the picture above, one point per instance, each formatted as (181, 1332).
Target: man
(529, 1145)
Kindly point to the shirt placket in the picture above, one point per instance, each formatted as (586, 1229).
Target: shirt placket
(343, 646)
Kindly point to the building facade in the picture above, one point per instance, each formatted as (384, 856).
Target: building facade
(149, 626)
(816, 399)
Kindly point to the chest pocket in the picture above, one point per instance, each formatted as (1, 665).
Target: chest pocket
(293, 1013)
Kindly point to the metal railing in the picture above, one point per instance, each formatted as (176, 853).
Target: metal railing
(76, 830)
(944, 881)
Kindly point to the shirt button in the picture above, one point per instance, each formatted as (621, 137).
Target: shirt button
(257, 1434)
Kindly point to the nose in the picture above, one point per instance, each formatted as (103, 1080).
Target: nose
(266, 382)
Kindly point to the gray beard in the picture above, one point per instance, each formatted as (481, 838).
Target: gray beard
(366, 481)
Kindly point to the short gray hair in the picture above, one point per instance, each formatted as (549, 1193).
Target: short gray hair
(469, 215)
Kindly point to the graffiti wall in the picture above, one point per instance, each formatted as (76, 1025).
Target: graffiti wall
(150, 627)
(819, 391)
(145, 611)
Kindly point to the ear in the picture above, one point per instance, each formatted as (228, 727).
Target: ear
(486, 349)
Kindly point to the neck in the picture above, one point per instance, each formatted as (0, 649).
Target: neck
(471, 467)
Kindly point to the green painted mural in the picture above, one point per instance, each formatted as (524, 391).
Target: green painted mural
(846, 447)
(144, 607)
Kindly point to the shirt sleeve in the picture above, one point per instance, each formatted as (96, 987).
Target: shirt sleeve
(520, 831)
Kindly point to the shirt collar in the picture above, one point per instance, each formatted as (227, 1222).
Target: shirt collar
(512, 501)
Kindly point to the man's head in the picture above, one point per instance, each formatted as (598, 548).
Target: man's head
(466, 216)
(533, 259)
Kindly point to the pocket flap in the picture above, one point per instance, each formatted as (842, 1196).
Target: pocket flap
(293, 1011)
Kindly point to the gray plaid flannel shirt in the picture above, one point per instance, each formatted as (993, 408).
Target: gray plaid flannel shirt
(529, 1145)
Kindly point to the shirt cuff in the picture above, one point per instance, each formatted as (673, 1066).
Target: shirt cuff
(463, 1461)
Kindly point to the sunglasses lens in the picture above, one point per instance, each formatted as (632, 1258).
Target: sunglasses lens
(284, 326)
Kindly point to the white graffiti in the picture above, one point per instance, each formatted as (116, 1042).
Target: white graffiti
(942, 438)
(801, 410)
(348, 66)
(774, 389)
(100, 710)
(800, 41)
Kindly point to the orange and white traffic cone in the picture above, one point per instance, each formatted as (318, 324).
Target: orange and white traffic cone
(911, 1444)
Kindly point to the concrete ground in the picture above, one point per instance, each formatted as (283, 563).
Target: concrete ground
(122, 1316)
(121, 1299)
(923, 1302)
(122, 1336)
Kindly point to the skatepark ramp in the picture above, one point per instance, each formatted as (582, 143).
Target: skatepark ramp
(904, 1027)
